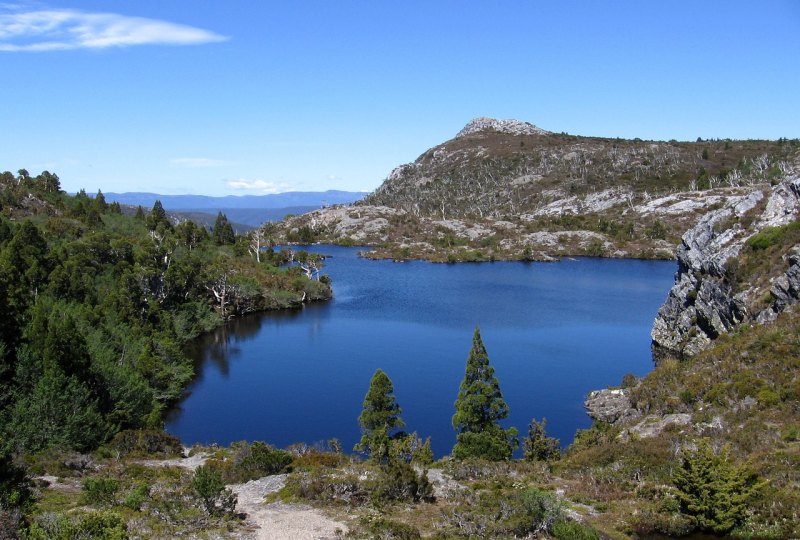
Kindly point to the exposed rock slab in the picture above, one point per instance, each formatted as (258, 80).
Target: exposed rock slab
(513, 127)
(610, 405)
(653, 425)
(703, 304)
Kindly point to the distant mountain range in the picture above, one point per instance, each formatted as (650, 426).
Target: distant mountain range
(204, 202)
(249, 210)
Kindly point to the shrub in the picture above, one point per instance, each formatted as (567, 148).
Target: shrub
(387, 529)
(768, 397)
(264, 460)
(100, 491)
(317, 485)
(505, 514)
(135, 499)
(572, 530)
(209, 489)
(398, 481)
(629, 380)
(537, 446)
(314, 458)
(146, 441)
(712, 491)
(410, 448)
(101, 525)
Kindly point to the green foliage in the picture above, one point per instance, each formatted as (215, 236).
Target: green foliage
(147, 442)
(100, 491)
(713, 491)
(157, 218)
(593, 436)
(399, 481)
(385, 529)
(410, 448)
(250, 461)
(503, 513)
(222, 233)
(479, 408)
(537, 446)
(15, 492)
(770, 236)
(379, 418)
(137, 497)
(96, 311)
(105, 525)
(572, 530)
(210, 491)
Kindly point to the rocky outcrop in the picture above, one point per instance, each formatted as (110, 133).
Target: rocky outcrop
(610, 405)
(513, 127)
(652, 425)
(708, 298)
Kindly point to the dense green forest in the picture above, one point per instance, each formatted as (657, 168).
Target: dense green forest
(97, 306)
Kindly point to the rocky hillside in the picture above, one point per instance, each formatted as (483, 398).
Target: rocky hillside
(727, 377)
(739, 264)
(505, 189)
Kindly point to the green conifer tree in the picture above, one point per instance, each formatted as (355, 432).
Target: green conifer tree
(479, 408)
(713, 491)
(157, 216)
(223, 231)
(379, 418)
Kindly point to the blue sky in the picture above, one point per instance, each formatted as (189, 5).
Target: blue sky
(243, 97)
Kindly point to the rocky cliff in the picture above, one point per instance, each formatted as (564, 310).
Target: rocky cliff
(739, 264)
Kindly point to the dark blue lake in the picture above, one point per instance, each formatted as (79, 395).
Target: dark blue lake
(553, 331)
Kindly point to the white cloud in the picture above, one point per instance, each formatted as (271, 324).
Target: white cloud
(197, 163)
(63, 29)
(262, 186)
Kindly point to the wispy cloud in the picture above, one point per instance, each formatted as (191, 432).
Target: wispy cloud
(262, 186)
(63, 29)
(197, 163)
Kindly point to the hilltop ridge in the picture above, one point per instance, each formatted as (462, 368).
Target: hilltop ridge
(506, 189)
(511, 126)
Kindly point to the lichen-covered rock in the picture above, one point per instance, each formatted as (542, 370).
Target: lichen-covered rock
(610, 405)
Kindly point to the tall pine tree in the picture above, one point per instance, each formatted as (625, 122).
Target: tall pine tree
(223, 231)
(379, 419)
(479, 409)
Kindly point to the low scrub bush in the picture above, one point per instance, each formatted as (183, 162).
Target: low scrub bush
(500, 513)
(100, 491)
(398, 481)
(328, 486)
(146, 442)
(572, 530)
(385, 529)
(210, 491)
(105, 525)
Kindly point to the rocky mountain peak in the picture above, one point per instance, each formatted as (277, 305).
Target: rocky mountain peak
(513, 127)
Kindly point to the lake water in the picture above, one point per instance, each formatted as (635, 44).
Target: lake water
(553, 331)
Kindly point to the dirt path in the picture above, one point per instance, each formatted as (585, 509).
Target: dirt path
(274, 521)
(279, 521)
